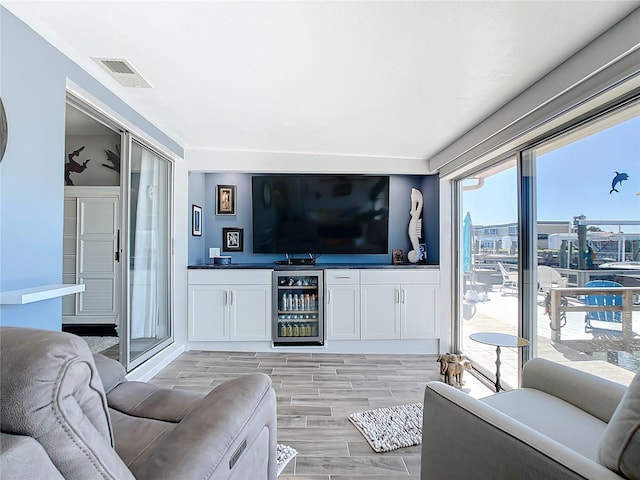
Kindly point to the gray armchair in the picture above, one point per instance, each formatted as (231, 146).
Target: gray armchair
(562, 424)
(68, 414)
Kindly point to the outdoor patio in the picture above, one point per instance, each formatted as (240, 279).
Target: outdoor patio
(595, 353)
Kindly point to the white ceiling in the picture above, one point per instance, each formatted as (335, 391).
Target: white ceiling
(384, 79)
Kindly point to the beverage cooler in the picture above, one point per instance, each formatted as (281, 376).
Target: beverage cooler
(297, 307)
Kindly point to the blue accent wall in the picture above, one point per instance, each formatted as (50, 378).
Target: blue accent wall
(33, 77)
(197, 196)
(399, 216)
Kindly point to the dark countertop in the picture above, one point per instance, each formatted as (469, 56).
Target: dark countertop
(318, 266)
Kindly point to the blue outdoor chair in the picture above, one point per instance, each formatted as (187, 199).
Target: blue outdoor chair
(603, 301)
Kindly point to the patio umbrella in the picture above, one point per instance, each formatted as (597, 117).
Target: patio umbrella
(467, 236)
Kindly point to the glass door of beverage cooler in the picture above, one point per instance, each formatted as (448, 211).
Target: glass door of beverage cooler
(297, 304)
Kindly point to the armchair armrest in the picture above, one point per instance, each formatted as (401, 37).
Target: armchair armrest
(595, 395)
(490, 444)
(233, 426)
(111, 372)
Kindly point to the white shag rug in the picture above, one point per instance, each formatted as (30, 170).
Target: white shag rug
(99, 344)
(284, 455)
(390, 428)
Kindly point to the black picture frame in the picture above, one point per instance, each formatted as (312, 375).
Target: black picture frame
(232, 239)
(225, 200)
(196, 220)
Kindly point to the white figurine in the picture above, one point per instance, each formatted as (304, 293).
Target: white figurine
(415, 225)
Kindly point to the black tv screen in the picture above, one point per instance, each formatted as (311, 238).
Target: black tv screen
(316, 214)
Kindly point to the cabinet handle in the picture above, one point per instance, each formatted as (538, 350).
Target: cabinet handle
(404, 296)
(328, 297)
(231, 297)
(397, 292)
(343, 276)
(226, 299)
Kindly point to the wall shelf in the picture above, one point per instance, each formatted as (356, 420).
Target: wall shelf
(35, 294)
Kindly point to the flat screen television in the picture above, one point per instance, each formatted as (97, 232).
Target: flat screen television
(320, 214)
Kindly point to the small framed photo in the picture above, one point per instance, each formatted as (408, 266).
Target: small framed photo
(232, 239)
(225, 200)
(396, 257)
(196, 220)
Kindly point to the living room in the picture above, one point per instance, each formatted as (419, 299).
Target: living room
(571, 76)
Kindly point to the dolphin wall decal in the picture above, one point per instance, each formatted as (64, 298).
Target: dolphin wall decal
(616, 180)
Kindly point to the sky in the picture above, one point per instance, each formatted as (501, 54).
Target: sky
(572, 180)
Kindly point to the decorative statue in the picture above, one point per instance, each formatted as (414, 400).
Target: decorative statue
(73, 166)
(415, 226)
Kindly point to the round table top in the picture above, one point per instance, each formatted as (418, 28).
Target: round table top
(499, 339)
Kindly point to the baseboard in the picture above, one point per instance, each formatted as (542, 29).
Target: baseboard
(154, 365)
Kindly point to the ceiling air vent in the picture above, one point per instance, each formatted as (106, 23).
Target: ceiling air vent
(123, 72)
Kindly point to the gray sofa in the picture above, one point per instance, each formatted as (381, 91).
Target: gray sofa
(562, 424)
(68, 414)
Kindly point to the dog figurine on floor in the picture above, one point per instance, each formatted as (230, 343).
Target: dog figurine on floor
(452, 367)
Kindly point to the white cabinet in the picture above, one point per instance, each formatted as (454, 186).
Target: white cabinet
(342, 307)
(399, 304)
(229, 305)
(90, 257)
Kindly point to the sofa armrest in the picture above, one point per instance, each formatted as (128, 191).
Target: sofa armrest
(465, 438)
(233, 426)
(595, 395)
(22, 457)
(147, 400)
(111, 372)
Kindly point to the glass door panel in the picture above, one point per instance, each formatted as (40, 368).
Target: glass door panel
(489, 287)
(149, 237)
(588, 220)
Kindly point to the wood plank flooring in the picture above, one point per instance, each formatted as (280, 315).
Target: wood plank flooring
(315, 394)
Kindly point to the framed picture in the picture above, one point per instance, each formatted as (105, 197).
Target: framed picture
(225, 200)
(232, 239)
(196, 220)
(396, 256)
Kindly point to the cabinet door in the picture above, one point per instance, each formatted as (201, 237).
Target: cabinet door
(208, 313)
(380, 308)
(96, 264)
(249, 312)
(343, 312)
(418, 305)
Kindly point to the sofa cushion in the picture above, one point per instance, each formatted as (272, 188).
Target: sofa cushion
(619, 448)
(134, 435)
(540, 411)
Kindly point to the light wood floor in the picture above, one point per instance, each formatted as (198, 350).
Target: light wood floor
(315, 394)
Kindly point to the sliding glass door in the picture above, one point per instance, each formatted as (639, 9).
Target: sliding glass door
(148, 242)
(538, 228)
(488, 260)
(587, 199)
